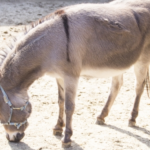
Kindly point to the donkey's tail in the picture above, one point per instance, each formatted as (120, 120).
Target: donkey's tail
(147, 83)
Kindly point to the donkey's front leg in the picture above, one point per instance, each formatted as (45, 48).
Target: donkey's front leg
(70, 94)
(141, 71)
(58, 129)
(117, 82)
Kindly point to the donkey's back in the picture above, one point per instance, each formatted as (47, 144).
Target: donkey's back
(102, 38)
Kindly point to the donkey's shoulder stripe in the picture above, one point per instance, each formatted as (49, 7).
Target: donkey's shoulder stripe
(66, 27)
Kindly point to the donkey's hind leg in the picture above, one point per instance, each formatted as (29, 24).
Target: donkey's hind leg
(140, 74)
(117, 82)
(58, 129)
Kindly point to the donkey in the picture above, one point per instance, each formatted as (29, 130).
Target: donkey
(92, 40)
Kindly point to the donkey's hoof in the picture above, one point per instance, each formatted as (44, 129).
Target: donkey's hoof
(132, 123)
(100, 121)
(57, 132)
(66, 145)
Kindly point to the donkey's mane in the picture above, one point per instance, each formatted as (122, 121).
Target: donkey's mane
(26, 29)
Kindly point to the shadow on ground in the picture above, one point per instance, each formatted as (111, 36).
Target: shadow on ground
(20, 146)
(145, 141)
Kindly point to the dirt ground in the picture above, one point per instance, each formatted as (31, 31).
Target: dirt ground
(91, 97)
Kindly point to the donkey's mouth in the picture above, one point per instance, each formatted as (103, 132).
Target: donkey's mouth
(16, 138)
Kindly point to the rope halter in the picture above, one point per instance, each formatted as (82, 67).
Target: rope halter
(7, 101)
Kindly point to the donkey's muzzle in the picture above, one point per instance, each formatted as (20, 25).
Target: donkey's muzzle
(16, 138)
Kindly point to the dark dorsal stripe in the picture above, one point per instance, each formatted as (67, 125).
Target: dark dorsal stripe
(66, 27)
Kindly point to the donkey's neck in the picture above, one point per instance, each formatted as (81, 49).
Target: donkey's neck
(21, 69)
(24, 64)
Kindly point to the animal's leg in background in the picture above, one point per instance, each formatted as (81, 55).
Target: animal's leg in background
(117, 82)
(71, 84)
(140, 74)
(58, 129)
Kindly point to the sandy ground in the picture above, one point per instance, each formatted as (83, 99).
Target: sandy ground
(91, 97)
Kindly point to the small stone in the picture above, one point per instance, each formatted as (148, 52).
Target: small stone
(78, 113)
(6, 32)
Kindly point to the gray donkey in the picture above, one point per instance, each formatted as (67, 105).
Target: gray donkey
(92, 40)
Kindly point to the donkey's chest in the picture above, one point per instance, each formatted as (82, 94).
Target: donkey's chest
(101, 72)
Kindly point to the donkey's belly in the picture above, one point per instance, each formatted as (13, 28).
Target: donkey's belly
(102, 72)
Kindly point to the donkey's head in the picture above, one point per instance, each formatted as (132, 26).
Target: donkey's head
(14, 105)
(17, 73)
(14, 111)
(20, 66)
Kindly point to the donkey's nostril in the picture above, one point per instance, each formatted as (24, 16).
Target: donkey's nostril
(19, 137)
(15, 138)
